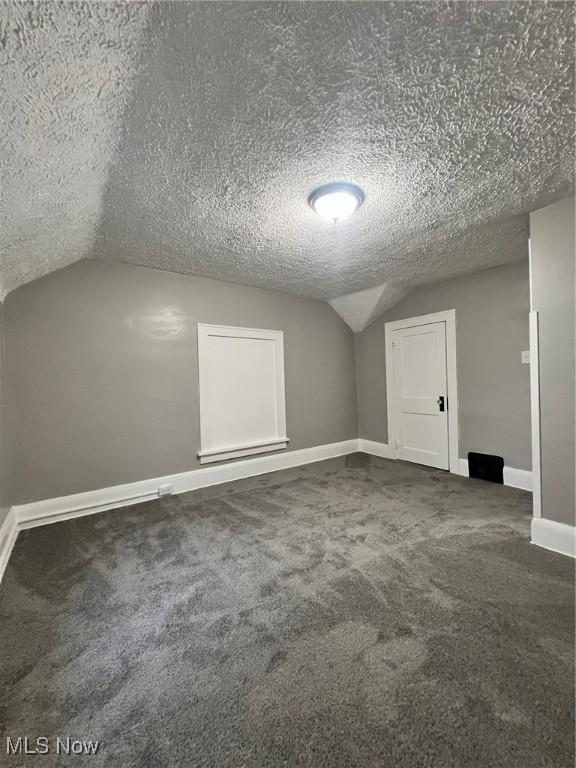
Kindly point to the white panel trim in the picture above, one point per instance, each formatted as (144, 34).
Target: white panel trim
(557, 537)
(8, 533)
(375, 449)
(277, 441)
(448, 317)
(535, 413)
(515, 478)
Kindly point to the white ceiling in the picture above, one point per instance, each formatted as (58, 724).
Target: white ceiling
(188, 136)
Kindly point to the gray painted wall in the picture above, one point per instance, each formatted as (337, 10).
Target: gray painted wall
(493, 386)
(552, 284)
(103, 373)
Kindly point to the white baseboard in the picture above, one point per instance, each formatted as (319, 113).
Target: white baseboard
(8, 533)
(37, 513)
(79, 504)
(90, 502)
(375, 449)
(516, 478)
(558, 537)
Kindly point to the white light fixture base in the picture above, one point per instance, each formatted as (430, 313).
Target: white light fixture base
(336, 202)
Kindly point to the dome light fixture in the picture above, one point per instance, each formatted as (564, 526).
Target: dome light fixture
(336, 202)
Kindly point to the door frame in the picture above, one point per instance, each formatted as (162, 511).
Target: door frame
(449, 317)
(535, 415)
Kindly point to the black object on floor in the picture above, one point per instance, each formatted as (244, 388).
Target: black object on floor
(350, 613)
(483, 466)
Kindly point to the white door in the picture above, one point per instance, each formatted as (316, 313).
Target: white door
(421, 402)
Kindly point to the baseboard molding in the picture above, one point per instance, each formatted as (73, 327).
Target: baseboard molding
(47, 511)
(91, 502)
(8, 533)
(557, 537)
(375, 449)
(22, 516)
(515, 478)
(518, 478)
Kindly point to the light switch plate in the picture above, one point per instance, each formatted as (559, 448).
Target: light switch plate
(526, 357)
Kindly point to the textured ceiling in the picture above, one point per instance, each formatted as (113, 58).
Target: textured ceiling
(65, 78)
(360, 308)
(187, 136)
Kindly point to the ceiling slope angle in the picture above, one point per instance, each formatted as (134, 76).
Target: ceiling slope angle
(361, 308)
(65, 75)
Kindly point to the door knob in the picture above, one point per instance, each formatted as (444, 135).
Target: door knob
(440, 402)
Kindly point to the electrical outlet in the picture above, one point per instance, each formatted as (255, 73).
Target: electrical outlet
(525, 357)
(165, 490)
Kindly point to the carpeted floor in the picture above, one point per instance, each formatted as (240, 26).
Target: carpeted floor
(357, 612)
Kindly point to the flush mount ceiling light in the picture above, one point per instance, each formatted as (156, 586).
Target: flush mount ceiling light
(336, 202)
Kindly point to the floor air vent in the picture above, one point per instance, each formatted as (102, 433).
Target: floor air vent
(486, 467)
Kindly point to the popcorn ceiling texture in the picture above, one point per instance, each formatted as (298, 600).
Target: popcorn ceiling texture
(360, 308)
(65, 71)
(187, 137)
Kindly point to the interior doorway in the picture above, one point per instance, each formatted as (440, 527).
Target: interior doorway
(422, 397)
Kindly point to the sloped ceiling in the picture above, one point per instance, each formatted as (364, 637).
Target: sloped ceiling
(65, 78)
(360, 308)
(188, 136)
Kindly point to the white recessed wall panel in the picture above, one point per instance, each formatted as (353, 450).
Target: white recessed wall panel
(242, 401)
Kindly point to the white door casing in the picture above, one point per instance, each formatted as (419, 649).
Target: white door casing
(421, 368)
(535, 415)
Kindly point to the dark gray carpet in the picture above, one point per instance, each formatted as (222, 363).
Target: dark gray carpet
(350, 613)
